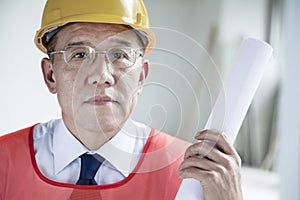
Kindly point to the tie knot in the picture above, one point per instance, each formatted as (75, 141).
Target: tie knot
(89, 166)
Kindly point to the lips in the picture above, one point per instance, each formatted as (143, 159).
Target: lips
(101, 100)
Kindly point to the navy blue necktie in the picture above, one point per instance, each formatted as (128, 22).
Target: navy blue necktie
(89, 167)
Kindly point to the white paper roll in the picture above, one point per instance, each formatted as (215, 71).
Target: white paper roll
(239, 88)
(234, 99)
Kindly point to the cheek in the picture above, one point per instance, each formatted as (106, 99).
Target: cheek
(128, 87)
(65, 85)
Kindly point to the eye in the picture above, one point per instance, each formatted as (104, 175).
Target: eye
(121, 57)
(77, 54)
(80, 55)
(119, 54)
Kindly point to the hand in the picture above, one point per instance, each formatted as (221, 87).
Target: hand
(217, 167)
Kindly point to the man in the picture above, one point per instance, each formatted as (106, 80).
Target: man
(95, 66)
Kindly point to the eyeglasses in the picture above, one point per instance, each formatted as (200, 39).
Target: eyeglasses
(77, 56)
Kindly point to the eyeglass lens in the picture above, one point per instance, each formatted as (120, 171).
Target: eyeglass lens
(76, 56)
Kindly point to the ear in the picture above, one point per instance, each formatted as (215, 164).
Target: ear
(49, 78)
(143, 75)
(144, 72)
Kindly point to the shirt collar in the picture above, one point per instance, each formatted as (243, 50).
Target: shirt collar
(121, 151)
(124, 149)
(66, 148)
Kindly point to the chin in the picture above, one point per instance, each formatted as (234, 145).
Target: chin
(109, 124)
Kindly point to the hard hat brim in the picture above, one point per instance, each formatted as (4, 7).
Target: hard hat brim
(93, 18)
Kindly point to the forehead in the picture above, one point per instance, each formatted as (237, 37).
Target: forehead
(97, 34)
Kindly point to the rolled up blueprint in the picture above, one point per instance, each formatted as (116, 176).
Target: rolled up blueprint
(239, 88)
(234, 99)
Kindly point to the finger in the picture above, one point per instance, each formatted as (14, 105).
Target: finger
(204, 164)
(203, 149)
(220, 139)
(221, 154)
(219, 160)
(204, 177)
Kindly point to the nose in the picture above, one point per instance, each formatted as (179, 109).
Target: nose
(100, 73)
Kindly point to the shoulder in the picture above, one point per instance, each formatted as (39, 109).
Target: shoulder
(15, 137)
(13, 145)
(45, 129)
(22, 135)
(162, 140)
(163, 150)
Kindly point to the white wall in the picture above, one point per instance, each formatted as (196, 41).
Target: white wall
(170, 100)
(24, 98)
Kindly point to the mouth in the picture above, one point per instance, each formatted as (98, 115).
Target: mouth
(100, 100)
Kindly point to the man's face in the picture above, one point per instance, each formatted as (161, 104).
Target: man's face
(95, 97)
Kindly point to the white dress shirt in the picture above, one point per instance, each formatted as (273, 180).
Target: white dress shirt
(57, 154)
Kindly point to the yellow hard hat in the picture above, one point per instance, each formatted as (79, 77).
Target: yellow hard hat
(60, 12)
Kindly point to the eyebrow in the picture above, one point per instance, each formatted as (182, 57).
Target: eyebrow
(78, 43)
(113, 40)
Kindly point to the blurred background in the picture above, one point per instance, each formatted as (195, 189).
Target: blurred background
(193, 36)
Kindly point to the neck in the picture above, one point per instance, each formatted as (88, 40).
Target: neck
(92, 138)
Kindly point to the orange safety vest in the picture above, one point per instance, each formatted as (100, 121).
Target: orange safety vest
(155, 176)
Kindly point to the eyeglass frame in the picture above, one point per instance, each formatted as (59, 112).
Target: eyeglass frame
(92, 51)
